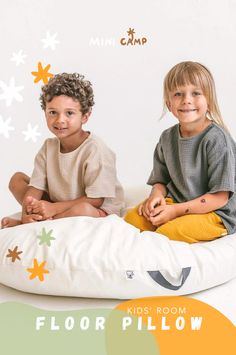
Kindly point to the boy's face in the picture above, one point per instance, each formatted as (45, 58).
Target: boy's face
(64, 117)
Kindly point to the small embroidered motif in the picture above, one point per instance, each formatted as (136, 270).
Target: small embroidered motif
(129, 275)
(203, 200)
(187, 210)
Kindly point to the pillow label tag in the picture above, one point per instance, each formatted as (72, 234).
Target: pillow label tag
(129, 275)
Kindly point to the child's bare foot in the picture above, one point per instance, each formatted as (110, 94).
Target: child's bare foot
(43, 208)
(30, 218)
(29, 204)
(8, 222)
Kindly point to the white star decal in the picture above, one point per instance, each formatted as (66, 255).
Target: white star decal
(10, 92)
(4, 127)
(50, 41)
(31, 133)
(19, 57)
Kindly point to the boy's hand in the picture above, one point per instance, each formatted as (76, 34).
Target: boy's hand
(43, 208)
(149, 206)
(163, 214)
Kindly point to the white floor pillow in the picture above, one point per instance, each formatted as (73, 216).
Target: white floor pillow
(108, 258)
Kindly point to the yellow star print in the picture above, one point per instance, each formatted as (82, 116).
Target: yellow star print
(38, 270)
(42, 73)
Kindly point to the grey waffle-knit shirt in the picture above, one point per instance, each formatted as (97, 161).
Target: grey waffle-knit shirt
(193, 166)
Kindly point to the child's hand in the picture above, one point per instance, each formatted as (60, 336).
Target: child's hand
(43, 208)
(148, 207)
(163, 214)
(29, 218)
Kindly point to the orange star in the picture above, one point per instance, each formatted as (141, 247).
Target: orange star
(14, 254)
(38, 270)
(42, 73)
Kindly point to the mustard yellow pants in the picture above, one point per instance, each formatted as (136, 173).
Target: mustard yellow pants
(189, 228)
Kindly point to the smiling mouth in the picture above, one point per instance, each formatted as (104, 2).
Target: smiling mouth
(192, 110)
(59, 128)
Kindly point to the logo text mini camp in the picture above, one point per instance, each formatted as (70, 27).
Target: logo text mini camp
(131, 40)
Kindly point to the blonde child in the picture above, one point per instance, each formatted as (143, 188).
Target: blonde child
(74, 173)
(193, 178)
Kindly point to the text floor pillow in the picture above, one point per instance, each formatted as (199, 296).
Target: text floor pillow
(108, 258)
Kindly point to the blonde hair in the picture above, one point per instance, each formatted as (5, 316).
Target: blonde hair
(196, 74)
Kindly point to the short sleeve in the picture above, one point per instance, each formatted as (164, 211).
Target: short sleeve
(39, 176)
(159, 172)
(221, 168)
(100, 174)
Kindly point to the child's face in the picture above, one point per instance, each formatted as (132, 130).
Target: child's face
(188, 104)
(64, 117)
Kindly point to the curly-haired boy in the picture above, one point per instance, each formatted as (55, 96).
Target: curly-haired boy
(74, 173)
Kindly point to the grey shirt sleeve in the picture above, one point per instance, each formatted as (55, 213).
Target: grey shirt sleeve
(221, 167)
(159, 172)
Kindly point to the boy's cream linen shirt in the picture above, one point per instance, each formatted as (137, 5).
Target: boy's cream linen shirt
(87, 171)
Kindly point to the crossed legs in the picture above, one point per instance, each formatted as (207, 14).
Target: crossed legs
(190, 228)
(18, 186)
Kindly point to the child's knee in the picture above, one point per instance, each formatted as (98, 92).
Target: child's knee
(16, 180)
(177, 231)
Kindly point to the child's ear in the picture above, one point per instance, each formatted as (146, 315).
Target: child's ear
(85, 117)
(168, 105)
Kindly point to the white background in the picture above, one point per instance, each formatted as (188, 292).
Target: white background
(127, 80)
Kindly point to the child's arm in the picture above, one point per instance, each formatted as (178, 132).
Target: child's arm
(156, 198)
(51, 209)
(206, 203)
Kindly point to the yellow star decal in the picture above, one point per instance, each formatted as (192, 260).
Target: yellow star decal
(42, 73)
(14, 254)
(38, 270)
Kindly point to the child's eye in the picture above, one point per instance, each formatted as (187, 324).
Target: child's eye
(70, 113)
(52, 113)
(196, 93)
(177, 94)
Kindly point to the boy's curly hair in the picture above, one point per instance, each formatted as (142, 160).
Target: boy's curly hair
(72, 85)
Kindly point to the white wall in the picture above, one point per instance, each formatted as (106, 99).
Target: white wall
(127, 79)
